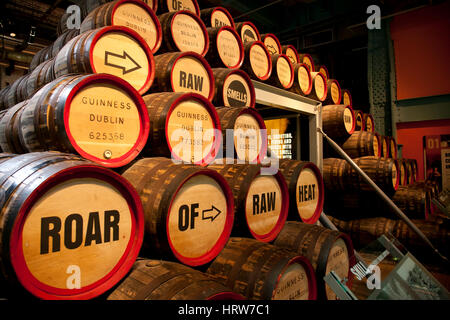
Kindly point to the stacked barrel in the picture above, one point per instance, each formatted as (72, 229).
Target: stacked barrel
(134, 164)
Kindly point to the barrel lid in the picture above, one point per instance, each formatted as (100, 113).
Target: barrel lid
(122, 52)
(272, 43)
(243, 91)
(183, 5)
(310, 210)
(72, 274)
(347, 97)
(307, 59)
(284, 67)
(184, 20)
(349, 119)
(133, 138)
(304, 78)
(142, 19)
(258, 48)
(376, 144)
(335, 88)
(320, 86)
(292, 53)
(369, 122)
(222, 16)
(249, 32)
(197, 240)
(396, 174)
(324, 70)
(223, 37)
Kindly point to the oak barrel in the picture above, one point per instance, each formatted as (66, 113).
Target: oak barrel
(359, 116)
(99, 116)
(347, 97)
(414, 202)
(306, 193)
(244, 134)
(9, 136)
(326, 249)
(225, 48)
(369, 122)
(185, 127)
(216, 17)
(282, 75)
(183, 72)
(334, 95)
(393, 148)
(302, 79)
(133, 14)
(384, 146)
(46, 200)
(166, 280)
(308, 60)
(247, 31)
(272, 43)
(261, 201)
(188, 209)
(362, 143)
(257, 61)
(61, 41)
(178, 5)
(261, 271)
(404, 173)
(291, 52)
(320, 88)
(338, 121)
(39, 77)
(233, 88)
(183, 31)
(324, 70)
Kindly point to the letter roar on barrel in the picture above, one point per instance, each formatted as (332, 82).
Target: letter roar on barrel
(124, 62)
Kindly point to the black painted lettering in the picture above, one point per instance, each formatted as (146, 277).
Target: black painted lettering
(198, 83)
(255, 204)
(183, 79)
(190, 82)
(194, 213)
(313, 192)
(72, 219)
(112, 218)
(271, 197)
(183, 218)
(93, 232)
(263, 203)
(47, 233)
(300, 193)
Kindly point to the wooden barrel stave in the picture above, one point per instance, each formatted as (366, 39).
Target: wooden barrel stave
(233, 88)
(361, 144)
(282, 75)
(302, 79)
(225, 48)
(292, 53)
(334, 95)
(338, 121)
(319, 88)
(258, 69)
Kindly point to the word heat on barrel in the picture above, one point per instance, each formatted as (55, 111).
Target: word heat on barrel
(261, 271)
(185, 127)
(99, 116)
(189, 210)
(71, 229)
(261, 201)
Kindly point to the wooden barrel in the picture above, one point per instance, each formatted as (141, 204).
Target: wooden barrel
(99, 116)
(243, 134)
(359, 116)
(324, 70)
(304, 180)
(61, 41)
(404, 173)
(361, 144)
(326, 249)
(414, 202)
(432, 186)
(233, 88)
(338, 121)
(282, 75)
(23, 86)
(118, 51)
(133, 14)
(225, 48)
(9, 136)
(272, 43)
(216, 17)
(308, 60)
(338, 175)
(257, 61)
(247, 31)
(292, 53)
(393, 148)
(302, 79)
(261, 201)
(369, 122)
(384, 146)
(12, 96)
(261, 271)
(185, 126)
(183, 31)
(334, 95)
(3, 94)
(39, 77)
(347, 97)
(38, 58)
(46, 200)
(415, 172)
(166, 280)
(183, 72)
(410, 168)
(178, 5)
(320, 88)
(188, 209)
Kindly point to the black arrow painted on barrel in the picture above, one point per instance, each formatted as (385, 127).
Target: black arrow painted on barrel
(125, 61)
(211, 215)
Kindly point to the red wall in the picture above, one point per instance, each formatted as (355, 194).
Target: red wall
(410, 135)
(422, 46)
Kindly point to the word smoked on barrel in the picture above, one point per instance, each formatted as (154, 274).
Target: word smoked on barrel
(243, 133)
(369, 122)
(178, 5)
(334, 95)
(320, 87)
(113, 50)
(261, 271)
(133, 14)
(308, 60)
(326, 249)
(216, 17)
(261, 201)
(183, 72)
(304, 180)
(362, 143)
(99, 116)
(347, 97)
(291, 52)
(247, 31)
(257, 61)
(188, 209)
(359, 116)
(338, 121)
(183, 31)
(272, 43)
(302, 79)
(225, 48)
(166, 280)
(71, 229)
(282, 75)
(233, 88)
